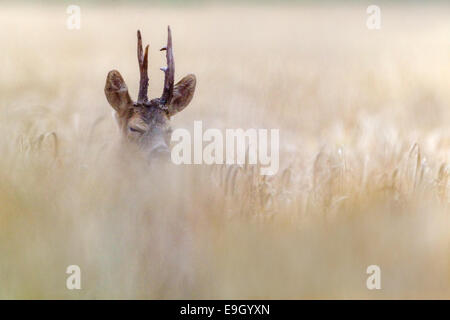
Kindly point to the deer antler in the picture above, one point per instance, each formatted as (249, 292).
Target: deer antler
(169, 71)
(143, 65)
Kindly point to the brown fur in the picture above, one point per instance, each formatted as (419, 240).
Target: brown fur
(145, 122)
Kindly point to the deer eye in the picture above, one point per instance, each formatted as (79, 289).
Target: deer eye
(136, 130)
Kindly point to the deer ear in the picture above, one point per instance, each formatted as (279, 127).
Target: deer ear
(116, 91)
(182, 94)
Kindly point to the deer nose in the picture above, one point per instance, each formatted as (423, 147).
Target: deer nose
(160, 151)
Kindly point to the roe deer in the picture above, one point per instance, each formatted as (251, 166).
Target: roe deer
(145, 122)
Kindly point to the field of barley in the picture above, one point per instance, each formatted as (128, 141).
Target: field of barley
(364, 120)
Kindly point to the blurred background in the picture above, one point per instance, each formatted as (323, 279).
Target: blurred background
(363, 118)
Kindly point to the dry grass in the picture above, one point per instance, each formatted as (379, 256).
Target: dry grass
(363, 119)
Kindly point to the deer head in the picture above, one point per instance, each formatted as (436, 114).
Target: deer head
(147, 122)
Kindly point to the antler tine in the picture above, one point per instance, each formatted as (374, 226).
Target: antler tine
(169, 71)
(143, 66)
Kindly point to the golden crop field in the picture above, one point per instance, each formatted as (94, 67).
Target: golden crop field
(364, 122)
